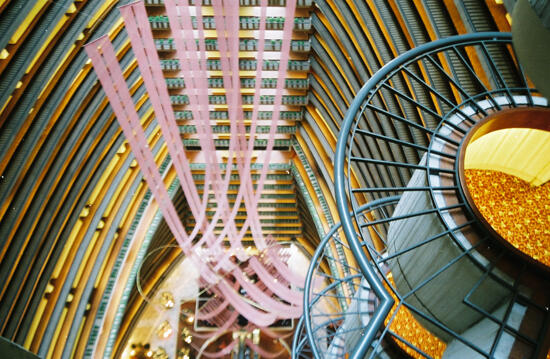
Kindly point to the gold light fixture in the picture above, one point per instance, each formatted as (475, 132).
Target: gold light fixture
(183, 353)
(140, 350)
(188, 315)
(160, 353)
(186, 335)
(167, 300)
(164, 330)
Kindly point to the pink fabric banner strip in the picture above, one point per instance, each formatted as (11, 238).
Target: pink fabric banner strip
(273, 283)
(253, 217)
(229, 323)
(196, 85)
(274, 257)
(211, 309)
(246, 173)
(143, 45)
(139, 31)
(285, 271)
(222, 353)
(252, 207)
(253, 315)
(246, 148)
(215, 305)
(228, 42)
(229, 292)
(206, 137)
(277, 309)
(283, 65)
(145, 50)
(266, 301)
(232, 87)
(109, 73)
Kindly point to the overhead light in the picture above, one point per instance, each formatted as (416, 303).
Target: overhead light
(85, 212)
(167, 300)
(164, 330)
(160, 353)
(122, 149)
(101, 224)
(71, 9)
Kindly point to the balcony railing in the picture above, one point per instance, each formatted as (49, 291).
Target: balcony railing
(401, 137)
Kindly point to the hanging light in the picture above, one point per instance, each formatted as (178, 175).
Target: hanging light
(164, 330)
(167, 300)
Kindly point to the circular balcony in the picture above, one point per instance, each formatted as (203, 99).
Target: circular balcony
(338, 300)
(300, 344)
(446, 284)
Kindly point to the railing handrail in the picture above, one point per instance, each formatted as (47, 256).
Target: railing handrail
(318, 253)
(386, 301)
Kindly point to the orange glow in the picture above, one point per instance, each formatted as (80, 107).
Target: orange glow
(411, 330)
(517, 211)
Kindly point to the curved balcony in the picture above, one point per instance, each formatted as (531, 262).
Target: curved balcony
(338, 301)
(437, 277)
(300, 343)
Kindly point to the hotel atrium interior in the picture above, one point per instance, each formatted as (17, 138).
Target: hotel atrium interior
(274, 179)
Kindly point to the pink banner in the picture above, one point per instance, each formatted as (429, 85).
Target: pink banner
(197, 88)
(107, 68)
(274, 283)
(267, 301)
(143, 45)
(263, 303)
(221, 353)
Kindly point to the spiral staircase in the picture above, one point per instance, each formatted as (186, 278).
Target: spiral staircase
(428, 276)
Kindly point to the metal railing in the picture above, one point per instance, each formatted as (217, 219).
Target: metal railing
(396, 144)
(335, 293)
(300, 343)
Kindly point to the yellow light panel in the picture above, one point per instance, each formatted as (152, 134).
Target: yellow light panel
(26, 23)
(71, 9)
